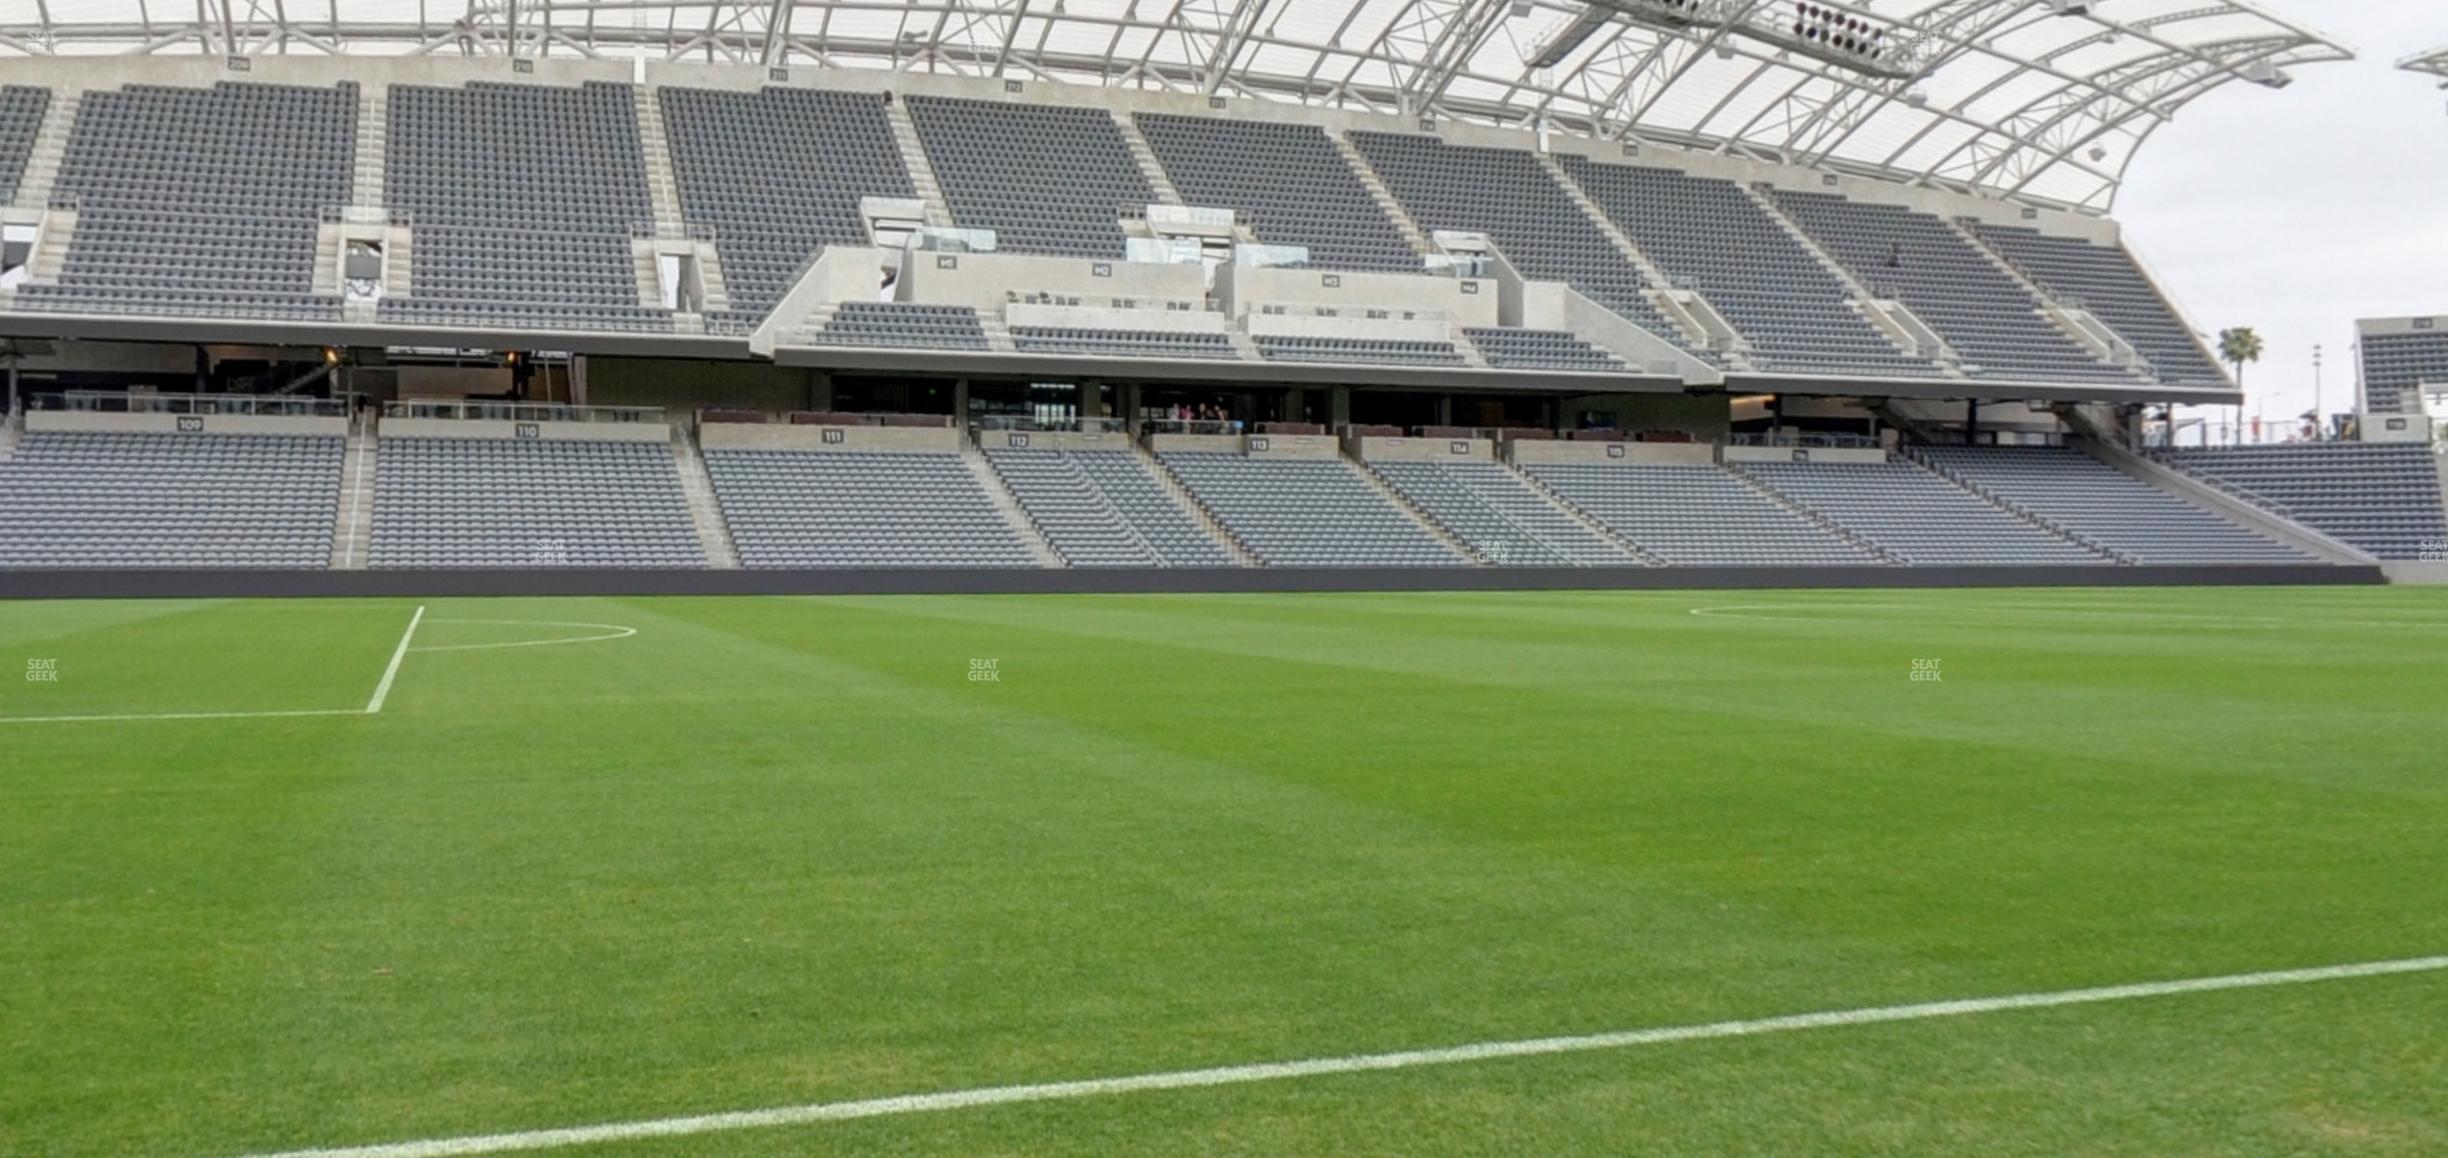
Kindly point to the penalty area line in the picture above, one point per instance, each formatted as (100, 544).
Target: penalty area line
(382, 691)
(1359, 1063)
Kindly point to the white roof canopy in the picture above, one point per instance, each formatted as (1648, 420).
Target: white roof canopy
(2020, 98)
(2434, 62)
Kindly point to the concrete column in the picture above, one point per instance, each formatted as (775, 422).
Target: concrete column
(1091, 399)
(1338, 409)
(960, 402)
(820, 391)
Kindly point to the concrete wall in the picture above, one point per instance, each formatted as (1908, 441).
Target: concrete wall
(1821, 455)
(794, 436)
(1352, 327)
(83, 420)
(1199, 443)
(1468, 301)
(506, 430)
(1054, 440)
(987, 281)
(1054, 580)
(1626, 453)
(1379, 449)
(1106, 318)
(1293, 446)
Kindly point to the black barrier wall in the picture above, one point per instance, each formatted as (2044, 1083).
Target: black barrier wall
(1086, 581)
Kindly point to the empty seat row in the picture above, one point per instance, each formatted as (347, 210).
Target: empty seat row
(1303, 512)
(131, 500)
(796, 508)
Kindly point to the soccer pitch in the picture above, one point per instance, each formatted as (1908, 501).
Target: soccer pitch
(356, 873)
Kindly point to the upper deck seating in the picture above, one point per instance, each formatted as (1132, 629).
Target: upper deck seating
(2105, 280)
(1048, 179)
(1533, 221)
(201, 201)
(1287, 182)
(526, 223)
(1711, 237)
(1990, 319)
(779, 173)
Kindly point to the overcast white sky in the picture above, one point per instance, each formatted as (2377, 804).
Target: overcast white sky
(2296, 212)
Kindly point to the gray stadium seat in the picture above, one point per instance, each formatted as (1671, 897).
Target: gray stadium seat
(474, 502)
(1048, 179)
(202, 201)
(2105, 506)
(2381, 497)
(1914, 258)
(798, 508)
(1696, 516)
(1918, 517)
(1288, 182)
(525, 224)
(123, 500)
(779, 173)
(1306, 512)
(1710, 237)
(1101, 508)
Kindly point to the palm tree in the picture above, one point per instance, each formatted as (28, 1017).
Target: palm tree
(2239, 348)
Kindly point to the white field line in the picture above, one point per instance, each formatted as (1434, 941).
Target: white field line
(1361, 1063)
(609, 630)
(382, 691)
(183, 716)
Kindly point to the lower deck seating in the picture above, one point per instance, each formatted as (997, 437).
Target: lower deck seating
(2381, 497)
(128, 500)
(1306, 512)
(475, 502)
(1917, 517)
(803, 508)
(1503, 518)
(1103, 508)
(2105, 506)
(1696, 516)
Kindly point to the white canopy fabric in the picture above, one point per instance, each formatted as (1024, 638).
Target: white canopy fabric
(2043, 100)
(2434, 62)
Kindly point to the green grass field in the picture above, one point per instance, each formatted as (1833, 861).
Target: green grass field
(767, 852)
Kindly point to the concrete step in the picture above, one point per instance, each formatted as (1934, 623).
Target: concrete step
(1159, 182)
(921, 170)
(1008, 506)
(1417, 516)
(1197, 510)
(705, 509)
(355, 527)
(1808, 515)
(1577, 515)
(1412, 234)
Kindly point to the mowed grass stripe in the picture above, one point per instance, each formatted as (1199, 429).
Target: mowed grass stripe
(780, 851)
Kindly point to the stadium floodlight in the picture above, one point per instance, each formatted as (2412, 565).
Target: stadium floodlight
(1843, 35)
